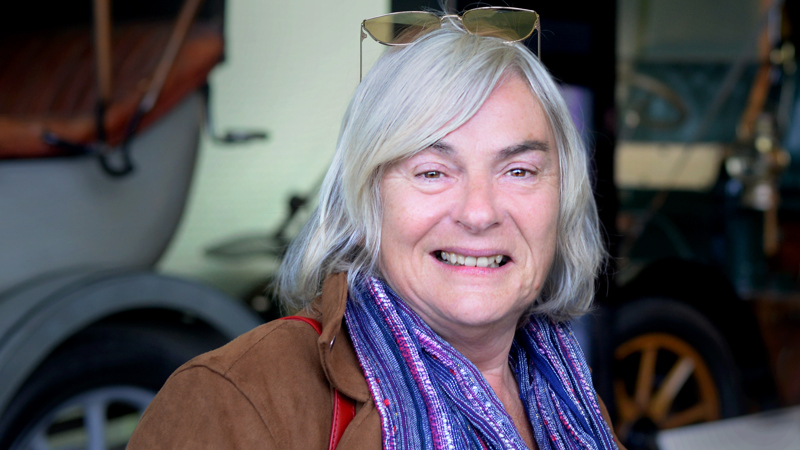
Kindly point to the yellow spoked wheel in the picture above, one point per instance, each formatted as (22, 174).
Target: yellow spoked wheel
(671, 387)
(672, 368)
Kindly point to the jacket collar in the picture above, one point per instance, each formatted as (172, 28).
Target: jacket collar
(336, 352)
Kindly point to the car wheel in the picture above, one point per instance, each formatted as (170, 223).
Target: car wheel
(671, 368)
(91, 392)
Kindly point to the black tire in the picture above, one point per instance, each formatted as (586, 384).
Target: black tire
(121, 366)
(676, 343)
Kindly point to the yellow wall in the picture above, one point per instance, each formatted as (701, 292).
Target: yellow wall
(290, 69)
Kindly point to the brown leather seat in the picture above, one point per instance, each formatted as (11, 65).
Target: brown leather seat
(48, 83)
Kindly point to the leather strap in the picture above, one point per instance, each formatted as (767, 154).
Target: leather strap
(344, 409)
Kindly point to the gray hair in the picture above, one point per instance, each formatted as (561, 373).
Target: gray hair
(411, 98)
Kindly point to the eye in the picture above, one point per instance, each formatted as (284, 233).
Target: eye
(520, 172)
(431, 174)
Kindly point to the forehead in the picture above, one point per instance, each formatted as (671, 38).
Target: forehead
(511, 117)
(511, 104)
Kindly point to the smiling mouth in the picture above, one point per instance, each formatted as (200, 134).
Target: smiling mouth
(454, 259)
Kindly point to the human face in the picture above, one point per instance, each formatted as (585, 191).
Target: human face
(488, 189)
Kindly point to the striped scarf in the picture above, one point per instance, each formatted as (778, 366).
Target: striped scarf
(429, 396)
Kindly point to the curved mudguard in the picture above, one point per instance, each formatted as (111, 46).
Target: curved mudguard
(36, 318)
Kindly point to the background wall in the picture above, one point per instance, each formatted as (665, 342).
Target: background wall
(290, 69)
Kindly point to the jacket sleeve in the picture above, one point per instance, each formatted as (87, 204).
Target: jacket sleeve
(607, 417)
(199, 408)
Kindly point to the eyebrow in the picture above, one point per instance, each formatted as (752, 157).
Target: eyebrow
(508, 152)
(527, 146)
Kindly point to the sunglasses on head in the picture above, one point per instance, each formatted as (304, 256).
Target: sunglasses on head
(403, 28)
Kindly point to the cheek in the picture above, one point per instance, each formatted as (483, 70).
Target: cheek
(541, 227)
(401, 244)
(550, 232)
(408, 215)
(399, 228)
(403, 232)
(394, 223)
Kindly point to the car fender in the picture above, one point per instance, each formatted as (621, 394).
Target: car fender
(38, 317)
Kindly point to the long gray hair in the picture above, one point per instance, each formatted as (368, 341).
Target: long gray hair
(411, 98)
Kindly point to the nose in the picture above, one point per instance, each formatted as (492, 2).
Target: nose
(478, 207)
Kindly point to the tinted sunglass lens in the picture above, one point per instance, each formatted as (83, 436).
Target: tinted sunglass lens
(401, 28)
(506, 24)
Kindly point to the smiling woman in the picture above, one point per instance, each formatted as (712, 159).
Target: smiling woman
(462, 198)
(456, 235)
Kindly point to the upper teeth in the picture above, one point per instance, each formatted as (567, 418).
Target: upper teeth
(460, 260)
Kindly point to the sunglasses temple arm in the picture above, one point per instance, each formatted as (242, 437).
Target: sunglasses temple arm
(361, 54)
(539, 39)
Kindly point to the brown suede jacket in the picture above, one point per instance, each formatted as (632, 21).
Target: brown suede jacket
(269, 388)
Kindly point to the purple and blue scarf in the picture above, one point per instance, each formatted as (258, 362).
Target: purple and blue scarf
(428, 395)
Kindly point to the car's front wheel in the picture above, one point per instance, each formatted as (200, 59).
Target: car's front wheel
(91, 392)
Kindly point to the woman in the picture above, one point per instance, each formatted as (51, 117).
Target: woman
(456, 233)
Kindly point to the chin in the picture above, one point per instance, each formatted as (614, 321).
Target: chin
(478, 311)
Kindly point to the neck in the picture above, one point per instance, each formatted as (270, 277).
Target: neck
(488, 349)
